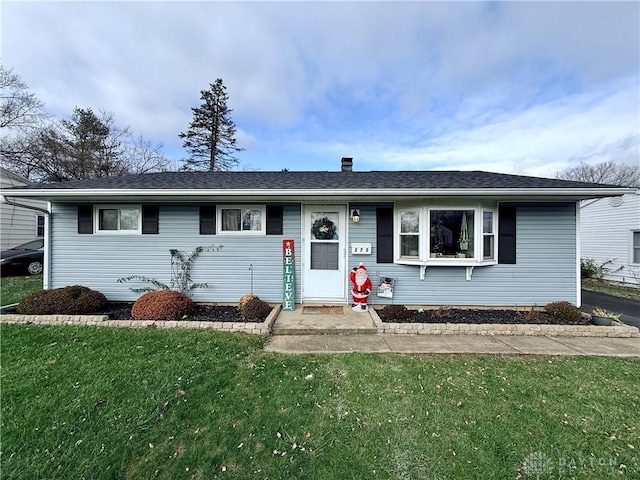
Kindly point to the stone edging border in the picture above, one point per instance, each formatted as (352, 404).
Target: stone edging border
(254, 328)
(264, 328)
(617, 330)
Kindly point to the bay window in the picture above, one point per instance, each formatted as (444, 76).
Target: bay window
(488, 235)
(451, 233)
(410, 233)
(433, 234)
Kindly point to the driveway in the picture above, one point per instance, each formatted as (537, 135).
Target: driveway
(629, 310)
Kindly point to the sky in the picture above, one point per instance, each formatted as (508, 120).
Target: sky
(528, 88)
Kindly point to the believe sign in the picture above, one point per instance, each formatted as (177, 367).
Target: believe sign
(289, 276)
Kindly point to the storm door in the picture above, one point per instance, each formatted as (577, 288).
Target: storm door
(324, 274)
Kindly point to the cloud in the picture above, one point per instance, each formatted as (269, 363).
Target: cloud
(419, 84)
(600, 125)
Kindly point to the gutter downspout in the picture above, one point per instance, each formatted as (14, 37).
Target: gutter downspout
(47, 235)
(578, 260)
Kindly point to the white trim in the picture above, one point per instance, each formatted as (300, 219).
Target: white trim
(46, 274)
(494, 233)
(242, 208)
(305, 253)
(96, 219)
(424, 236)
(397, 243)
(517, 193)
(578, 267)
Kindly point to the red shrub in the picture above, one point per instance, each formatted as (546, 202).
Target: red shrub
(564, 311)
(162, 305)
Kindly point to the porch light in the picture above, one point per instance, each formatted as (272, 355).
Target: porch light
(355, 215)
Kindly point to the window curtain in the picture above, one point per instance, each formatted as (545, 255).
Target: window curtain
(231, 220)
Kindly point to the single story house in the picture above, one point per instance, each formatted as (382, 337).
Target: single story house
(610, 235)
(436, 237)
(17, 224)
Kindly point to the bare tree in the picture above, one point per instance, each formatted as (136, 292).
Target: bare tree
(605, 172)
(143, 157)
(86, 145)
(19, 109)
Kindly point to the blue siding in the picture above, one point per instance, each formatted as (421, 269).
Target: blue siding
(545, 270)
(97, 261)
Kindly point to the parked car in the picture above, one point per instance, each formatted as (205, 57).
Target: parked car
(27, 258)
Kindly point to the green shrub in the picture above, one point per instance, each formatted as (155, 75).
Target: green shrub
(252, 308)
(162, 305)
(564, 312)
(72, 300)
(589, 268)
(395, 313)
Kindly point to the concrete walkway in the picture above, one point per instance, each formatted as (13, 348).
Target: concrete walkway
(337, 329)
(454, 344)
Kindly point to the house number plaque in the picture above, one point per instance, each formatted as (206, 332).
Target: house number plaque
(289, 276)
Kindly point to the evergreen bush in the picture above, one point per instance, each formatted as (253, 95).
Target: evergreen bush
(72, 300)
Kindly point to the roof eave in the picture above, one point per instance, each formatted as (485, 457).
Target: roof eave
(82, 194)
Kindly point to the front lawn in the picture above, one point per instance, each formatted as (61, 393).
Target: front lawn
(82, 402)
(14, 289)
(611, 288)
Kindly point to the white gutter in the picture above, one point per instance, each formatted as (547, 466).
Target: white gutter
(4, 199)
(578, 260)
(46, 274)
(587, 192)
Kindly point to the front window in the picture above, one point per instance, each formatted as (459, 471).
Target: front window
(118, 219)
(451, 234)
(635, 254)
(242, 220)
(488, 235)
(431, 234)
(410, 233)
(40, 226)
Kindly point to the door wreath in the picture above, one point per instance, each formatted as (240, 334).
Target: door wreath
(323, 229)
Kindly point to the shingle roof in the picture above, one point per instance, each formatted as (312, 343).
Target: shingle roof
(374, 180)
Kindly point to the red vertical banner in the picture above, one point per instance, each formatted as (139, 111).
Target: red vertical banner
(289, 275)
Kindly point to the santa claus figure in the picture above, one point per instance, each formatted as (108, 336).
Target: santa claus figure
(361, 288)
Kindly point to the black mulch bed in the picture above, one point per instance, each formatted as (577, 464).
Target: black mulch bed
(477, 316)
(201, 313)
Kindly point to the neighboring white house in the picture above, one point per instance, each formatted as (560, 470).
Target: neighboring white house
(19, 225)
(610, 232)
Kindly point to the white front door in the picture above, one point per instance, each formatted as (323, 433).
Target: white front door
(324, 239)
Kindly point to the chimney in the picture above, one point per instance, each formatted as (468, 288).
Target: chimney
(347, 164)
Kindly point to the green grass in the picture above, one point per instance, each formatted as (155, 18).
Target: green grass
(83, 402)
(612, 288)
(14, 289)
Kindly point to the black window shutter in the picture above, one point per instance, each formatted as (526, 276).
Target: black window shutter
(208, 220)
(507, 235)
(274, 220)
(384, 234)
(85, 219)
(150, 215)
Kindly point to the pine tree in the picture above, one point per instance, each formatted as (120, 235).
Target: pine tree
(210, 139)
